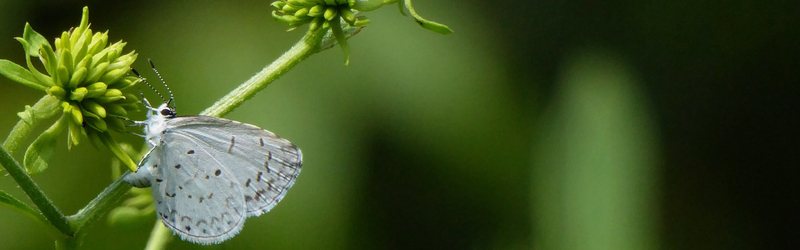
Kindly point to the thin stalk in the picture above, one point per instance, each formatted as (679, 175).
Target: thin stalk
(48, 209)
(101, 204)
(307, 46)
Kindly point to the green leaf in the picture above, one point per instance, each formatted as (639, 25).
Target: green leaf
(42, 149)
(42, 77)
(9, 201)
(17, 73)
(428, 25)
(336, 28)
(328, 41)
(34, 39)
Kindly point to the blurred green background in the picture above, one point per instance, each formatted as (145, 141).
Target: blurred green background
(536, 125)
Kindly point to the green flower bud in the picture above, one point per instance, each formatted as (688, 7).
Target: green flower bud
(115, 124)
(347, 15)
(301, 12)
(94, 108)
(96, 89)
(78, 94)
(74, 111)
(330, 13)
(95, 73)
(63, 76)
(77, 77)
(114, 75)
(316, 11)
(57, 91)
(114, 109)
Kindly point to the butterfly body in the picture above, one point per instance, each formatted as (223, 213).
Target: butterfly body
(209, 174)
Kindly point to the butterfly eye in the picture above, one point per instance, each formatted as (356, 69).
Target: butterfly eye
(167, 112)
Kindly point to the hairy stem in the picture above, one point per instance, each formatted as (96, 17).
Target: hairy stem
(48, 209)
(23, 127)
(101, 204)
(307, 46)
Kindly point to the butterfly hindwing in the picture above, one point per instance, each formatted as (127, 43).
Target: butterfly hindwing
(264, 165)
(195, 194)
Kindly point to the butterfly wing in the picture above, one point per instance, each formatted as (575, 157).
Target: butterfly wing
(195, 195)
(264, 165)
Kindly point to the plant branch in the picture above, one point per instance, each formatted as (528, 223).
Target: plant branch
(47, 104)
(38, 197)
(307, 46)
(101, 204)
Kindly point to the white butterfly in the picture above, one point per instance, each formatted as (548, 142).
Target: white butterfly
(209, 174)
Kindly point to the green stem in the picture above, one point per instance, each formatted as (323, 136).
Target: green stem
(43, 109)
(159, 237)
(307, 46)
(38, 197)
(101, 204)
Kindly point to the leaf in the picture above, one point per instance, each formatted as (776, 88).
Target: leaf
(428, 25)
(17, 73)
(336, 29)
(9, 201)
(328, 41)
(42, 77)
(34, 39)
(42, 149)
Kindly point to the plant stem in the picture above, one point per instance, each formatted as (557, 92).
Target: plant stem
(23, 127)
(30, 188)
(159, 237)
(101, 204)
(307, 46)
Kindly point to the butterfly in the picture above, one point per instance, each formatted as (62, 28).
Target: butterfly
(209, 174)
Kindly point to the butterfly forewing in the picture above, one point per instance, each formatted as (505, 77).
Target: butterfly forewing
(195, 194)
(264, 165)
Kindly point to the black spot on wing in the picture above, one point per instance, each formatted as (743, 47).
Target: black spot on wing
(190, 152)
(233, 141)
(216, 173)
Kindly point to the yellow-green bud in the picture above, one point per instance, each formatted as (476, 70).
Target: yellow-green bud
(96, 89)
(115, 109)
(94, 108)
(78, 94)
(314, 25)
(115, 124)
(114, 75)
(75, 111)
(96, 73)
(95, 122)
(63, 76)
(347, 15)
(77, 77)
(330, 13)
(74, 133)
(66, 60)
(301, 12)
(57, 91)
(316, 11)
(278, 4)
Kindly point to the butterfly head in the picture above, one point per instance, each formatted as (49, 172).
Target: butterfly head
(166, 111)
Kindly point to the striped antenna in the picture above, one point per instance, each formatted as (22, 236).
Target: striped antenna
(171, 97)
(148, 84)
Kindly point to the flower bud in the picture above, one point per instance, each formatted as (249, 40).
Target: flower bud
(78, 94)
(94, 108)
(96, 89)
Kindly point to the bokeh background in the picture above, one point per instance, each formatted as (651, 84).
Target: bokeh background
(536, 125)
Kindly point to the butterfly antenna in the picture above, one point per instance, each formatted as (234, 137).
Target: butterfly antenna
(171, 97)
(148, 84)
